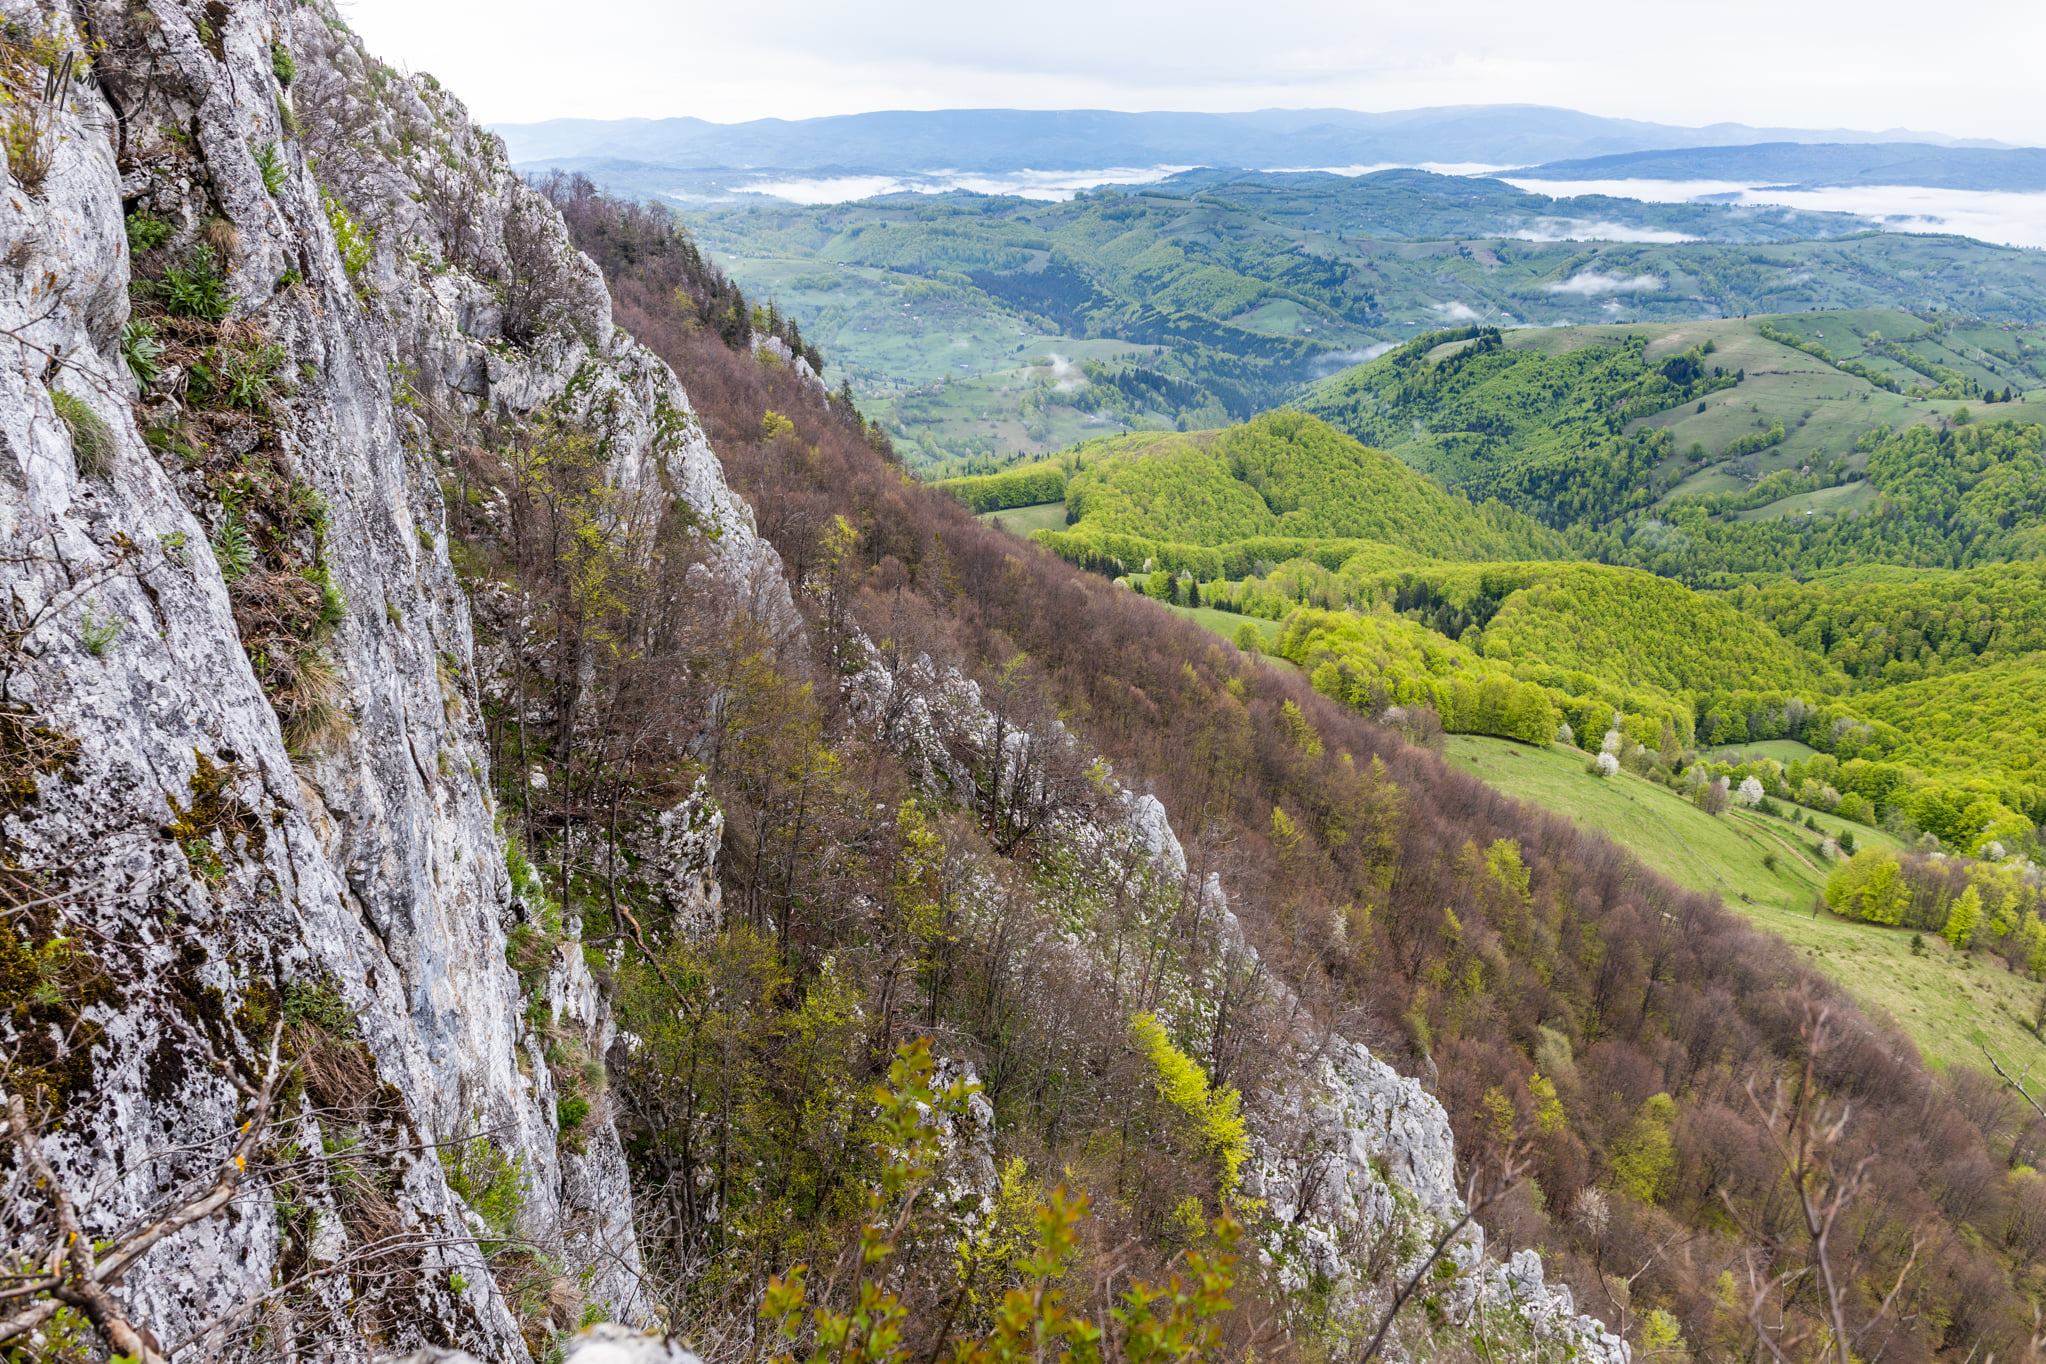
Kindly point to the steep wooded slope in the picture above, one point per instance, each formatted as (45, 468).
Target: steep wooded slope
(1340, 848)
(322, 867)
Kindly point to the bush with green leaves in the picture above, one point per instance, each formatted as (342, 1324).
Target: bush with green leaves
(356, 243)
(142, 348)
(146, 231)
(243, 376)
(233, 548)
(98, 633)
(492, 1183)
(196, 288)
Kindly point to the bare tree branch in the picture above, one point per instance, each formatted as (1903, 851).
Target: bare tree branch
(79, 1275)
(2013, 1081)
(1510, 1173)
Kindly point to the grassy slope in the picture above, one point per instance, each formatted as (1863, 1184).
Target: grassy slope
(1023, 520)
(1227, 623)
(1944, 1001)
(1785, 751)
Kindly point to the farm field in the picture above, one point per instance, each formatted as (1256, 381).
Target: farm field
(1782, 750)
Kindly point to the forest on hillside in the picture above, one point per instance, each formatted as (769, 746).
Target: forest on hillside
(1708, 618)
(979, 328)
(542, 819)
(1581, 1016)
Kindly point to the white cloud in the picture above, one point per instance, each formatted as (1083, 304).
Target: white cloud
(1343, 359)
(1580, 230)
(1592, 284)
(1456, 311)
(536, 59)
(2009, 218)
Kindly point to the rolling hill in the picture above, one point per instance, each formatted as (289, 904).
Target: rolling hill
(1279, 486)
(1755, 418)
(980, 327)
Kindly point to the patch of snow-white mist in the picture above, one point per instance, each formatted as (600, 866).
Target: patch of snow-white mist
(1050, 186)
(1581, 230)
(2004, 217)
(1432, 167)
(1066, 377)
(1595, 284)
(1342, 359)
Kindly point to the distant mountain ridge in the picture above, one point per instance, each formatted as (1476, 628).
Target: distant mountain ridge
(1077, 139)
(1818, 165)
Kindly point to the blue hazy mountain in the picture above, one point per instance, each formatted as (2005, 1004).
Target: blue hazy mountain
(1818, 165)
(1076, 139)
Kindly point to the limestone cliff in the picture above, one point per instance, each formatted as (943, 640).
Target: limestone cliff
(245, 781)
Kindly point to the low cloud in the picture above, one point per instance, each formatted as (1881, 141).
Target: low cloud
(1342, 359)
(1066, 376)
(1603, 230)
(1592, 284)
(1455, 311)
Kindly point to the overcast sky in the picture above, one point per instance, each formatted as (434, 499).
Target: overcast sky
(1970, 69)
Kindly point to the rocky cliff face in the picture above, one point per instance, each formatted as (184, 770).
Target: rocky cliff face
(1353, 1164)
(245, 782)
(258, 289)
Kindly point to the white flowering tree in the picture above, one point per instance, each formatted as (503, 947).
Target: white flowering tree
(1750, 792)
(1607, 763)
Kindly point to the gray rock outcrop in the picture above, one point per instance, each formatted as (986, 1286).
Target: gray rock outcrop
(206, 840)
